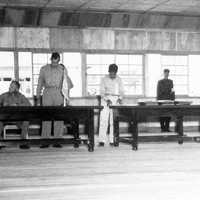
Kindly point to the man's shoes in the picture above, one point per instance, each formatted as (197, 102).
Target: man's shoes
(111, 144)
(101, 144)
(44, 146)
(57, 145)
(24, 146)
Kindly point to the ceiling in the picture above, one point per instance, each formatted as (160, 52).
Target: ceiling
(177, 7)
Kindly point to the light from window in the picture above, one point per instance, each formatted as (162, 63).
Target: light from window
(72, 62)
(194, 71)
(130, 69)
(178, 66)
(25, 73)
(6, 70)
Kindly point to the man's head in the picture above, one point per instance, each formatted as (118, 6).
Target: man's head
(113, 68)
(166, 73)
(14, 86)
(55, 58)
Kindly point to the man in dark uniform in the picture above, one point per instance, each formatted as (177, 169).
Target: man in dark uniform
(165, 92)
(14, 98)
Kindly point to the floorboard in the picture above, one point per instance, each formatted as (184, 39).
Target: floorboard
(157, 171)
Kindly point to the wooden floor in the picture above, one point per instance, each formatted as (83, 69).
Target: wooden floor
(156, 171)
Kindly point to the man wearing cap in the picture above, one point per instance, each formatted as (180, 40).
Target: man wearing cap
(51, 81)
(14, 98)
(111, 91)
(165, 92)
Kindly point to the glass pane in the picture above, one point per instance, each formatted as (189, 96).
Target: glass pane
(72, 59)
(25, 73)
(94, 80)
(123, 69)
(153, 73)
(36, 69)
(181, 89)
(181, 60)
(6, 70)
(168, 60)
(133, 90)
(7, 59)
(73, 63)
(93, 69)
(107, 59)
(194, 71)
(182, 70)
(93, 59)
(121, 59)
(131, 80)
(98, 65)
(179, 80)
(135, 59)
(135, 69)
(40, 58)
(25, 59)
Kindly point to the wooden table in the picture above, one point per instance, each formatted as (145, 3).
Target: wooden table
(44, 113)
(137, 113)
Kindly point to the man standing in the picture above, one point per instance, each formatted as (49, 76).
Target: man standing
(111, 91)
(165, 92)
(51, 82)
(14, 98)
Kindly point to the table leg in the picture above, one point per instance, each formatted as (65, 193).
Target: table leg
(91, 131)
(134, 132)
(116, 131)
(180, 129)
(75, 129)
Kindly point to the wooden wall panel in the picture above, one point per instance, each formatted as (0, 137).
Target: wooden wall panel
(155, 40)
(33, 38)
(188, 41)
(65, 38)
(119, 20)
(169, 41)
(98, 39)
(7, 37)
(130, 40)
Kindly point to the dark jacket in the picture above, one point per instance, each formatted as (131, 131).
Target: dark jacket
(13, 99)
(164, 90)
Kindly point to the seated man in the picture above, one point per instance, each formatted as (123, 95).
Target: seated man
(111, 90)
(14, 98)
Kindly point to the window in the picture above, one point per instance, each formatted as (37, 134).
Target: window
(39, 60)
(194, 71)
(130, 69)
(6, 70)
(25, 73)
(72, 61)
(178, 66)
(179, 72)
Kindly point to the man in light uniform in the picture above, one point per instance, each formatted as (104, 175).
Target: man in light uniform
(111, 91)
(51, 81)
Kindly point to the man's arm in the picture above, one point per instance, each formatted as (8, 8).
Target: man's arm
(158, 90)
(24, 101)
(40, 83)
(1, 99)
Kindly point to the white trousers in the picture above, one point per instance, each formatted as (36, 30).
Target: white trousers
(106, 120)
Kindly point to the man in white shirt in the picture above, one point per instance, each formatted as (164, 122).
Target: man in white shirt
(111, 91)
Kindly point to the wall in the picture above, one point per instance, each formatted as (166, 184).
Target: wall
(101, 40)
